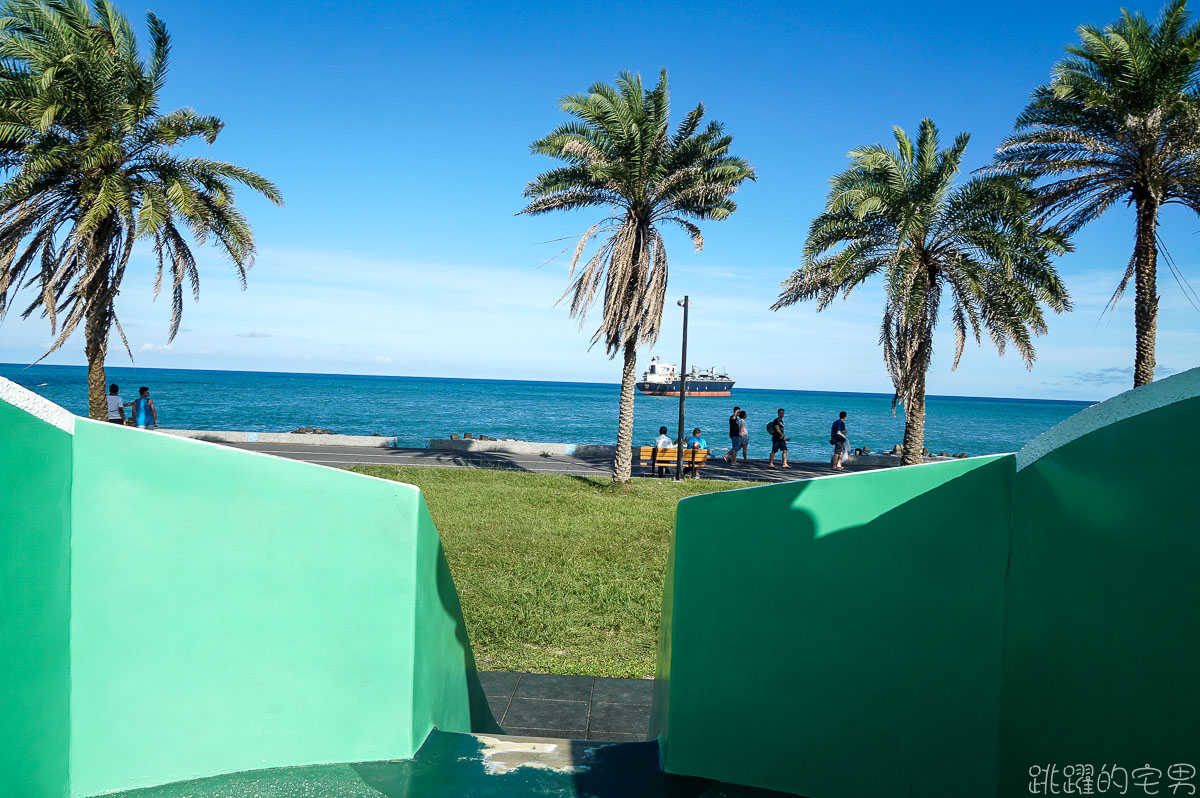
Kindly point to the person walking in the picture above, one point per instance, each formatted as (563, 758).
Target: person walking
(735, 436)
(663, 441)
(778, 440)
(144, 414)
(838, 438)
(744, 434)
(116, 408)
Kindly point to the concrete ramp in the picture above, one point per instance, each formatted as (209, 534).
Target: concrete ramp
(478, 766)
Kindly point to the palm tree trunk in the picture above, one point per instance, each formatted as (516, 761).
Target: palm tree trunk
(623, 462)
(1145, 311)
(914, 424)
(95, 346)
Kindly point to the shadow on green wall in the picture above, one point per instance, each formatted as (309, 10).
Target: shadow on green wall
(481, 718)
(1103, 633)
(821, 625)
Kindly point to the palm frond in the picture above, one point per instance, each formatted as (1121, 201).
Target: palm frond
(93, 168)
(619, 154)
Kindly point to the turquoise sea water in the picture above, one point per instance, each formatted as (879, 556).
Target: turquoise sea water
(415, 409)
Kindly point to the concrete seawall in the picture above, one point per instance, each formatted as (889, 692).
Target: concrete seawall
(523, 447)
(301, 439)
(880, 460)
(382, 442)
(875, 460)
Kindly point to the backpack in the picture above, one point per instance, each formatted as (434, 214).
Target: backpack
(771, 427)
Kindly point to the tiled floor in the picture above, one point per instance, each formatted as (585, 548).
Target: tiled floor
(575, 707)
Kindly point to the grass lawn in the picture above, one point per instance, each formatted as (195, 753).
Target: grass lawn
(556, 573)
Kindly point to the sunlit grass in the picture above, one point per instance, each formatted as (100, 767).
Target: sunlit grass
(556, 573)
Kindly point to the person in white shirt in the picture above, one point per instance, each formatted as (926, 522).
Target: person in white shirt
(663, 442)
(116, 408)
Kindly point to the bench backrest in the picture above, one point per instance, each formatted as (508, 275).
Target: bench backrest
(690, 456)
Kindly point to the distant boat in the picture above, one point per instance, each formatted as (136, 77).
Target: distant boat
(42, 384)
(662, 379)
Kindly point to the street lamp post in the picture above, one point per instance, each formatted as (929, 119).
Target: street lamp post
(683, 303)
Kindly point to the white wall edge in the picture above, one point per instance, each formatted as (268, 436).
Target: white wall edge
(36, 406)
(253, 453)
(1160, 393)
(290, 438)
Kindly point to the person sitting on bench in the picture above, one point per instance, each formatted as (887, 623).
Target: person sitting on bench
(663, 441)
(695, 442)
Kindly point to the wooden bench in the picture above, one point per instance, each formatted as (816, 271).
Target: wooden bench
(658, 458)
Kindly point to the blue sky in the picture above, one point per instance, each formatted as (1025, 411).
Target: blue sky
(399, 135)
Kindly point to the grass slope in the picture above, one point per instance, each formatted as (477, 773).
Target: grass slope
(556, 573)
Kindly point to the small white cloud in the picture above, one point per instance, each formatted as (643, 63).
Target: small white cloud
(253, 334)
(1108, 376)
(382, 359)
(153, 348)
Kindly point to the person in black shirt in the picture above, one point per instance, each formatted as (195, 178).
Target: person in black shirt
(744, 432)
(735, 438)
(778, 440)
(838, 437)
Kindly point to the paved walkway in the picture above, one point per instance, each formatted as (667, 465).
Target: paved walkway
(571, 707)
(342, 456)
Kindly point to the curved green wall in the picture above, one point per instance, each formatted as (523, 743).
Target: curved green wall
(839, 636)
(940, 629)
(228, 611)
(1102, 642)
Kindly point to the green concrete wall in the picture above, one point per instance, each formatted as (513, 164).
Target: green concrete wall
(842, 636)
(232, 611)
(859, 636)
(172, 609)
(35, 496)
(1103, 634)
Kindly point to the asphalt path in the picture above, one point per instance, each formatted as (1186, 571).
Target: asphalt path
(345, 456)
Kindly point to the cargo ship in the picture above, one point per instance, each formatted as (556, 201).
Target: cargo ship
(662, 379)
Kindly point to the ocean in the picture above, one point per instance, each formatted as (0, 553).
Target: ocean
(415, 409)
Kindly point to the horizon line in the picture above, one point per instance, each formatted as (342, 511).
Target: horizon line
(547, 382)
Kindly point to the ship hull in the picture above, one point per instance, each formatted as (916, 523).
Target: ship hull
(697, 388)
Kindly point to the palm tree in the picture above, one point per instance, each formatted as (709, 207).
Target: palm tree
(1120, 120)
(92, 169)
(897, 213)
(621, 156)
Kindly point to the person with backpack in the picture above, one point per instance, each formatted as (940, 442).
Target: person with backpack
(778, 440)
